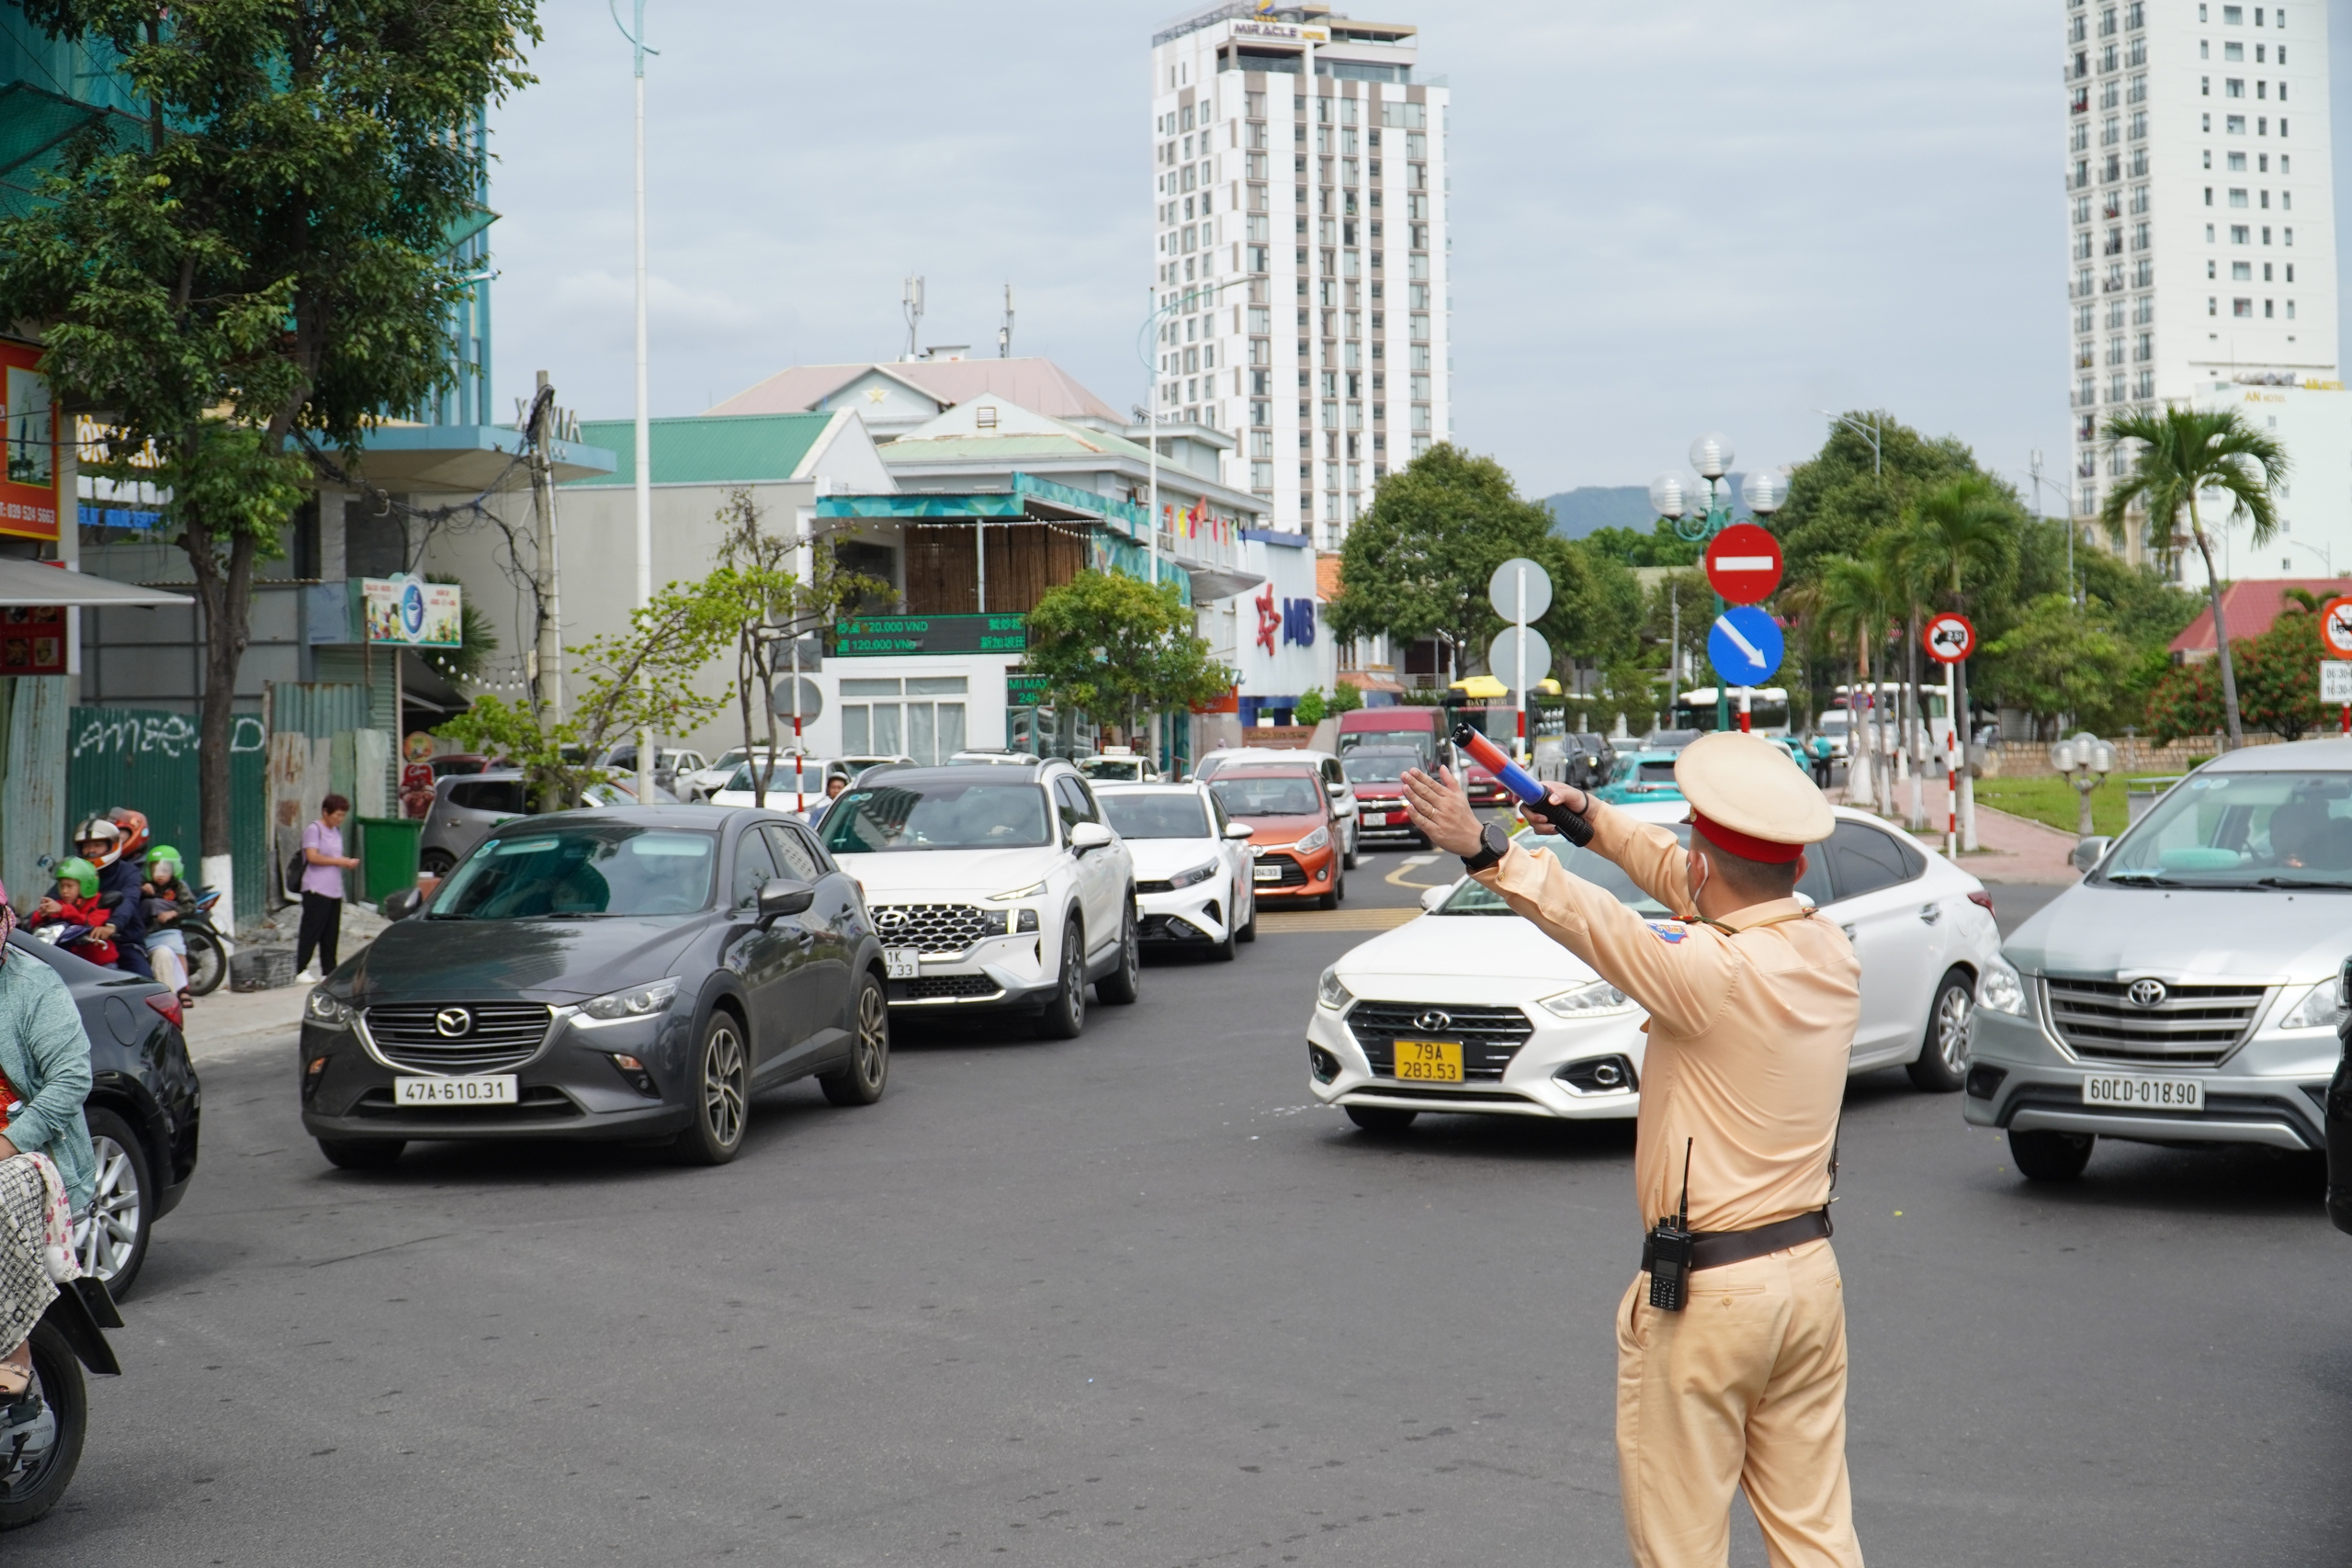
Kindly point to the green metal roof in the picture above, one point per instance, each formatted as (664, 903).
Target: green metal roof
(707, 449)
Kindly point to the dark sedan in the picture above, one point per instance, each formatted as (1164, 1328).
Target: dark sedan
(633, 974)
(142, 1110)
(2339, 1110)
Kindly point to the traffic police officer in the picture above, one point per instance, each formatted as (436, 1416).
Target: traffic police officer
(1752, 1005)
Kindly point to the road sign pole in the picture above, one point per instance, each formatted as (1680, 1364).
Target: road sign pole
(1951, 771)
(1722, 690)
(1526, 741)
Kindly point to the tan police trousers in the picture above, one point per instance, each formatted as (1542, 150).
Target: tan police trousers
(1745, 1387)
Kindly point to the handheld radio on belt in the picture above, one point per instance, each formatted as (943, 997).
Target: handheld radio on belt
(1522, 783)
(1671, 1249)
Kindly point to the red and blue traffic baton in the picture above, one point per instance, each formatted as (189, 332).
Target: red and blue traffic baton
(1522, 783)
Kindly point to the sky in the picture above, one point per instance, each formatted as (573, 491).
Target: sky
(1669, 217)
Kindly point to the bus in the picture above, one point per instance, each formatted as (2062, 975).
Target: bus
(1847, 717)
(1767, 709)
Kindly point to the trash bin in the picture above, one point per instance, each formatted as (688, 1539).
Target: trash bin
(388, 857)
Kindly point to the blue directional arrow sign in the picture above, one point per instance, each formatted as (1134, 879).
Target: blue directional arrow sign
(1745, 646)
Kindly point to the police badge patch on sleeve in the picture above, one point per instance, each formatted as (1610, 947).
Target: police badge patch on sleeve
(1668, 934)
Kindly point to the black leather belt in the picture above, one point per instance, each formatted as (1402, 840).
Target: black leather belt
(1713, 1249)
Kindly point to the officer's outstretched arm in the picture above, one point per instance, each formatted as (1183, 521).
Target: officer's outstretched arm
(1685, 978)
(1647, 851)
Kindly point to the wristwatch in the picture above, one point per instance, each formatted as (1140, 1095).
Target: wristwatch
(1492, 843)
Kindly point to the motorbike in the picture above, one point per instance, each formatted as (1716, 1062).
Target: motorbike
(209, 948)
(37, 1457)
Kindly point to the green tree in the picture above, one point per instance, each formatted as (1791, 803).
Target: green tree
(2185, 702)
(1309, 708)
(1844, 496)
(269, 266)
(1117, 648)
(1860, 599)
(1346, 697)
(1660, 546)
(2062, 659)
(2182, 452)
(2279, 672)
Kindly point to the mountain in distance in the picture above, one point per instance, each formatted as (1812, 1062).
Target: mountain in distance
(1576, 513)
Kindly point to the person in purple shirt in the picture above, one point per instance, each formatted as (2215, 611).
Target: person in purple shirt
(324, 864)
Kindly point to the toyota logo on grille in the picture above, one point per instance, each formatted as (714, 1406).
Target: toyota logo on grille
(891, 918)
(1433, 1020)
(453, 1022)
(2147, 993)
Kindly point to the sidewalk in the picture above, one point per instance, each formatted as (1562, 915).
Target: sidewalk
(236, 1023)
(2013, 849)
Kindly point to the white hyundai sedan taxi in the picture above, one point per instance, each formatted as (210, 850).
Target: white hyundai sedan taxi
(1472, 1009)
(1193, 886)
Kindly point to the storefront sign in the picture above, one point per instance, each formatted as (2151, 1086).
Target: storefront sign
(413, 613)
(1025, 690)
(32, 640)
(1288, 32)
(882, 636)
(29, 474)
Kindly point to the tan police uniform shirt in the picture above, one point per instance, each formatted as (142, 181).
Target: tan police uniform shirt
(1749, 1029)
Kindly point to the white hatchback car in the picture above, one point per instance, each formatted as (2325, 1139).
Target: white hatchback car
(1533, 1032)
(995, 887)
(1193, 886)
(792, 783)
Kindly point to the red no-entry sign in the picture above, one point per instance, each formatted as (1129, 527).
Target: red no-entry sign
(1951, 637)
(1744, 564)
(2335, 626)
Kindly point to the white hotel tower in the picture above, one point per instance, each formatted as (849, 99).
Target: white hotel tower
(1299, 188)
(2203, 229)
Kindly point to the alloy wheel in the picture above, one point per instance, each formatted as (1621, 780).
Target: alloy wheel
(105, 1240)
(723, 1075)
(873, 1033)
(1955, 1013)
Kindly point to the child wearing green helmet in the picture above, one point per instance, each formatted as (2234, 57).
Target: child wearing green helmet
(73, 912)
(168, 898)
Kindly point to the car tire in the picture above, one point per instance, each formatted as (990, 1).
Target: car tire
(1222, 952)
(111, 1242)
(26, 1496)
(208, 962)
(1380, 1118)
(1942, 1065)
(1065, 1016)
(1122, 986)
(1355, 847)
(361, 1154)
(1249, 933)
(2045, 1155)
(721, 1094)
(860, 1081)
(435, 863)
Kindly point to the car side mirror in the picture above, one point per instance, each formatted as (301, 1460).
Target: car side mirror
(1238, 830)
(2091, 851)
(1337, 789)
(400, 905)
(782, 896)
(1432, 896)
(1085, 836)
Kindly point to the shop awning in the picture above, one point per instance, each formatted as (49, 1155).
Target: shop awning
(26, 584)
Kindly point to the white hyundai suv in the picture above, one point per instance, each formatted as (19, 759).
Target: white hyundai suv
(995, 887)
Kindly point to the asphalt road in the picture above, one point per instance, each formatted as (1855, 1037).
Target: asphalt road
(1130, 1300)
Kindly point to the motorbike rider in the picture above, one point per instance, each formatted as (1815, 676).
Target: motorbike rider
(100, 841)
(170, 899)
(72, 908)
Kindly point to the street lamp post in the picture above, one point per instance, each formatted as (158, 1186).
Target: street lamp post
(2084, 762)
(644, 448)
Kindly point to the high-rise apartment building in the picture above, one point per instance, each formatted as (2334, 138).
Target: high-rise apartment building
(1299, 188)
(2201, 215)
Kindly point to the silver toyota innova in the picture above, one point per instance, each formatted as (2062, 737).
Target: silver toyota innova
(2184, 990)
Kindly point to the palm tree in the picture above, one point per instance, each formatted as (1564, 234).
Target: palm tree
(2184, 451)
(1858, 599)
(1899, 563)
(1965, 524)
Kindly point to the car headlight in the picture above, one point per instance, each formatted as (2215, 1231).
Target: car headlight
(1313, 842)
(1329, 993)
(638, 1001)
(1034, 890)
(2319, 1008)
(1595, 998)
(2000, 990)
(325, 1011)
(1197, 874)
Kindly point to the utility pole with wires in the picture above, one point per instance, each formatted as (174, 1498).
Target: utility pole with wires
(1004, 332)
(644, 448)
(546, 664)
(2033, 472)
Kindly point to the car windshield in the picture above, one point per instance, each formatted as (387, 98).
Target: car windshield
(2242, 829)
(1110, 768)
(579, 871)
(1170, 815)
(1378, 767)
(1268, 795)
(938, 816)
(785, 773)
(1472, 897)
(1644, 769)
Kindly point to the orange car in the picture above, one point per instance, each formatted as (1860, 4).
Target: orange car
(1293, 837)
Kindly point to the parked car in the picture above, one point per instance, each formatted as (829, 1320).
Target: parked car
(996, 886)
(2339, 1108)
(466, 807)
(639, 973)
(1295, 834)
(1191, 865)
(1538, 1033)
(704, 782)
(1643, 775)
(449, 762)
(1406, 727)
(790, 782)
(2184, 991)
(671, 768)
(1117, 765)
(1328, 767)
(1588, 759)
(861, 765)
(144, 1111)
(1376, 773)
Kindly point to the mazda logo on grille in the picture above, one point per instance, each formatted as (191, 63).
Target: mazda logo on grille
(1433, 1020)
(2147, 993)
(453, 1022)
